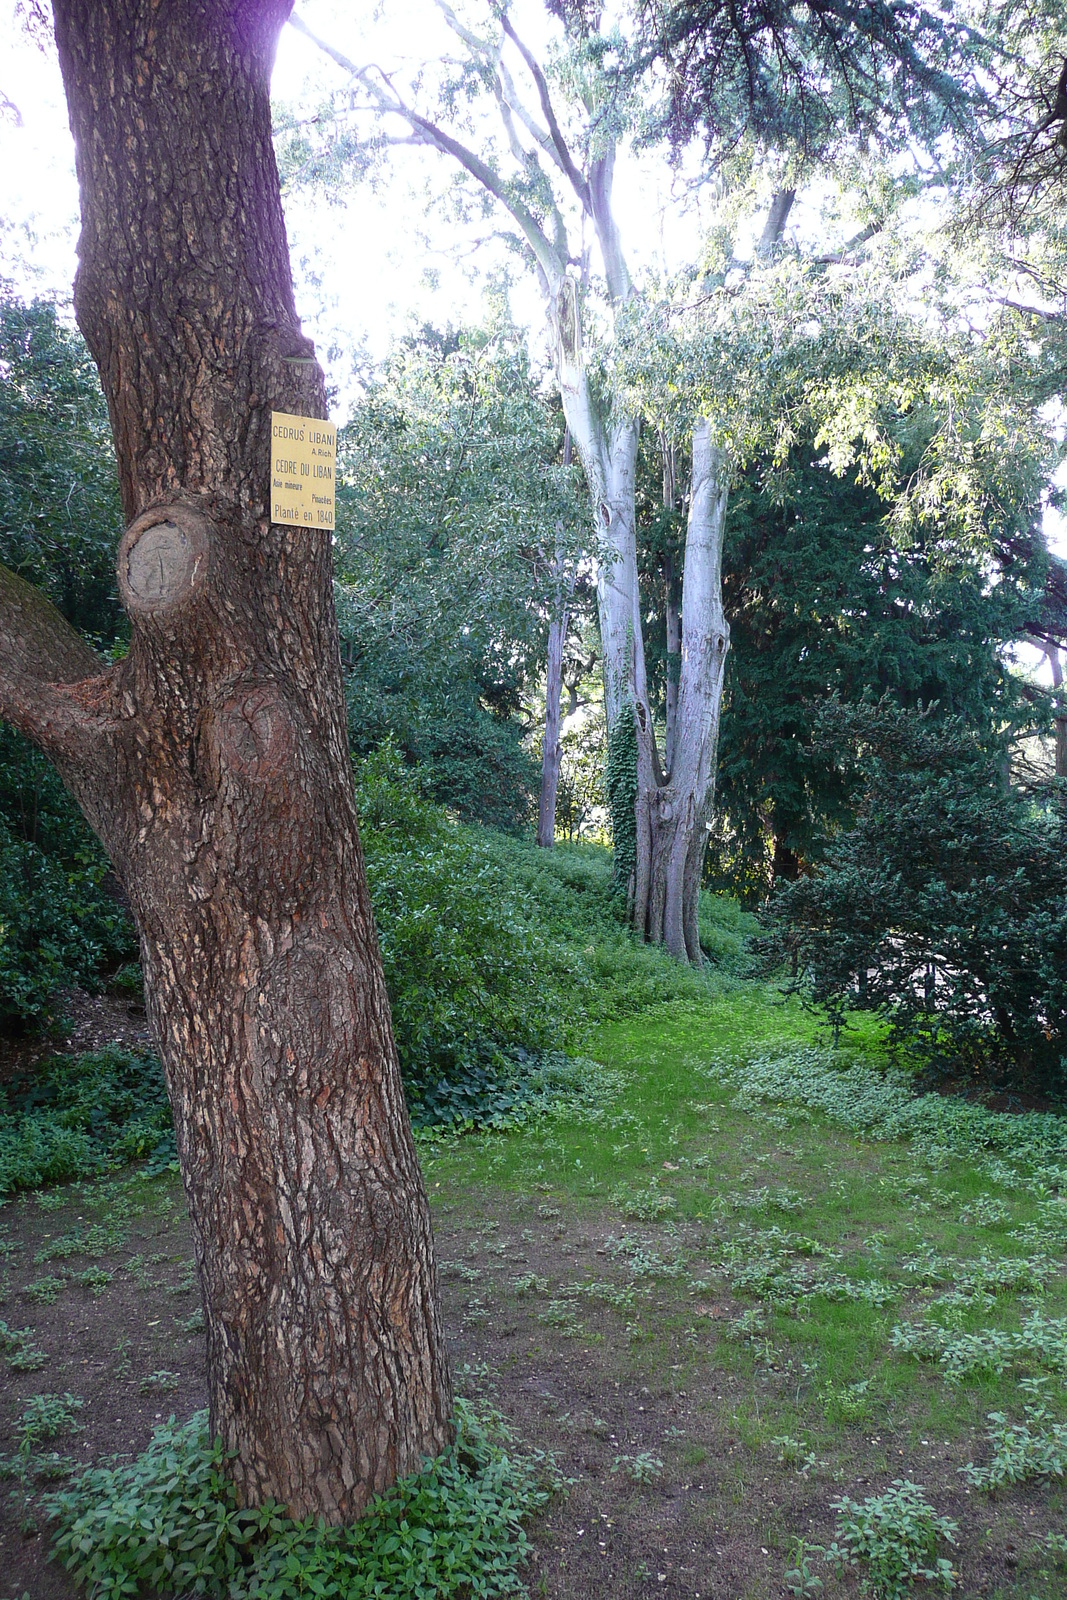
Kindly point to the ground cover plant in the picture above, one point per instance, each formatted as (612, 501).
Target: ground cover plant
(170, 1522)
(738, 1291)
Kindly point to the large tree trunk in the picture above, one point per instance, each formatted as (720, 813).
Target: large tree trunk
(673, 809)
(673, 620)
(213, 763)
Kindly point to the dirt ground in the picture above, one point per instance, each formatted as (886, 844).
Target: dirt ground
(715, 1524)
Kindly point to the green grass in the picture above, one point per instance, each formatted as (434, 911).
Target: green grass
(895, 1214)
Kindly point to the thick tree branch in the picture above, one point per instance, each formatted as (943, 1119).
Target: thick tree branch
(40, 653)
(566, 161)
(427, 132)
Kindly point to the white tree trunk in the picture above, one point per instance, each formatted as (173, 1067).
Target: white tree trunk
(673, 811)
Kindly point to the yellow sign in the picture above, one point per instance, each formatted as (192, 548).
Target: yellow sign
(303, 456)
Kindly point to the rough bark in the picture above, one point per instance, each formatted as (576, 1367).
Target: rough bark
(673, 809)
(213, 763)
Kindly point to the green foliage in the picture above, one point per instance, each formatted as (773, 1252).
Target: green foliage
(883, 1105)
(944, 907)
(169, 1523)
(59, 926)
(450, 494)
(497, 955)
(46, 1416)
(825, 599)
(1036, 1448)
(59, 523)
(620, 784)
(893, 1538)
(76, 1115)
(643, 1468)
(456, 949)
(18, 1349)
(810, 77)
(1041, 1342)
(60, 516)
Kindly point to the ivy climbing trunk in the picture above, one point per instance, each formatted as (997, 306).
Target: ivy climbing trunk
(213, 764)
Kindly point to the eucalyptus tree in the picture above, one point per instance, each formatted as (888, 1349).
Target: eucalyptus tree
(554, 177)
(561, 124)
(212, 761)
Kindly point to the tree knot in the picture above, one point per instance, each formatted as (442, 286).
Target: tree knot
(164, 557)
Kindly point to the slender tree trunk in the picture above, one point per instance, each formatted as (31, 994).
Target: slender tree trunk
(1055, 658)
(553, 749)
(213, 763)
(673, 811)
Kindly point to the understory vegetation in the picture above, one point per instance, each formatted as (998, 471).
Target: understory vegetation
(170, 1523)
(839, 1306)
(746, 587)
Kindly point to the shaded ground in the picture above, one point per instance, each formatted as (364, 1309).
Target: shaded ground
(596, 1335)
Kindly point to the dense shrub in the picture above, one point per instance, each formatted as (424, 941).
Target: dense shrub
(77, 1115)
(59, 926)
(169, 1523)
(456, 951)
(497, 954)
(944, 907)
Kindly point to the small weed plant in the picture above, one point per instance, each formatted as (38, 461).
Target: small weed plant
(168, 1523)
(642, 1468)
(1035, 1448)
(893, 1538)
(18, 1349)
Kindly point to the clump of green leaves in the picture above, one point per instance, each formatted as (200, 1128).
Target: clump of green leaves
(77, 1115)
(1035, 1448)
(893, 1539)
(18, 1349)
(646, 1204)
(169, 1523)
(45, 1417)
(1040, 1342)
(883, 1105)
(641, 1468)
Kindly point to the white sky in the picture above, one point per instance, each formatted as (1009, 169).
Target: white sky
(366, 270)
